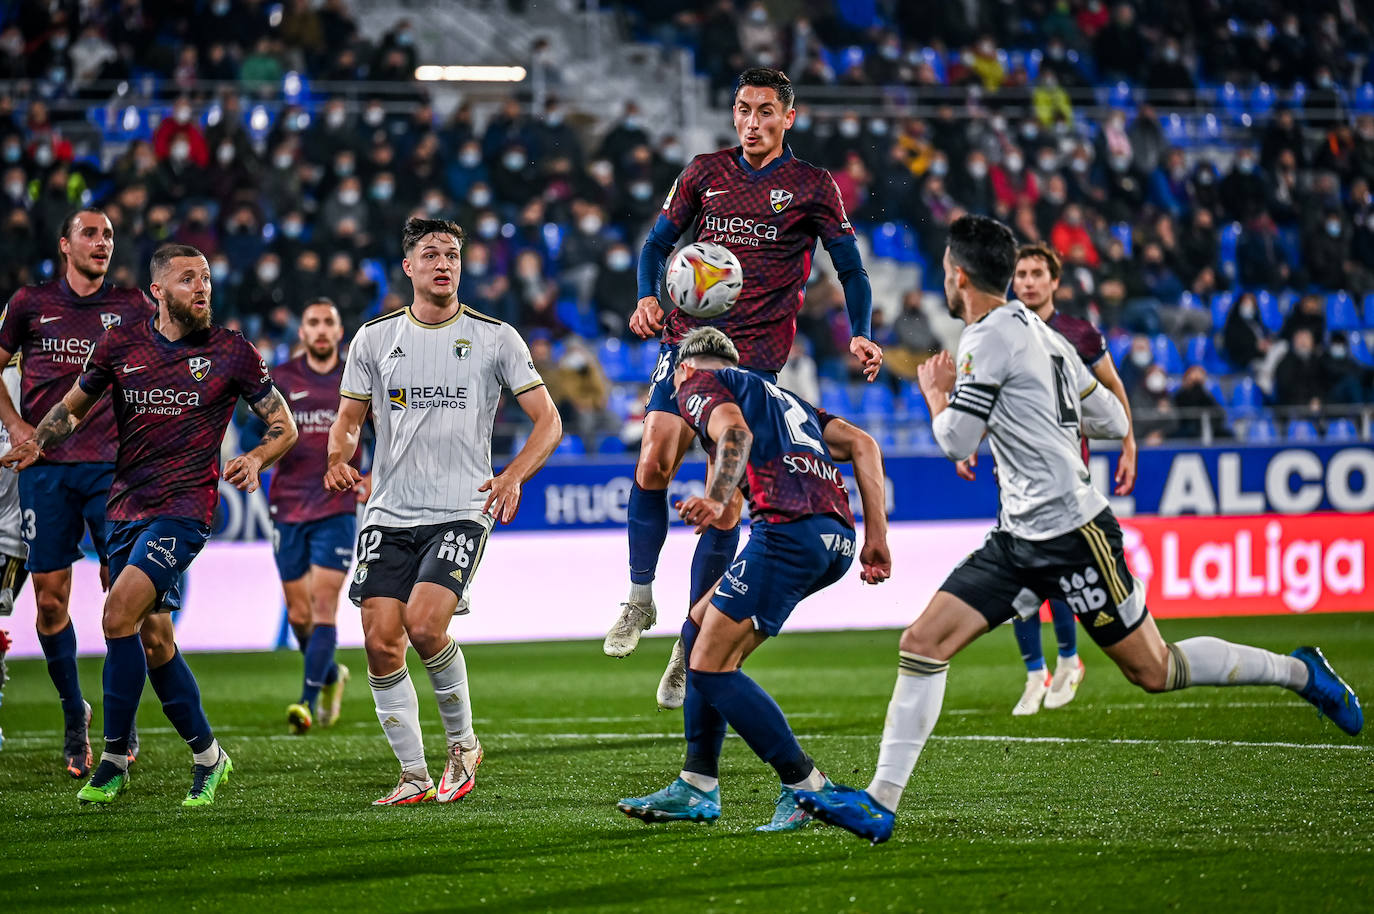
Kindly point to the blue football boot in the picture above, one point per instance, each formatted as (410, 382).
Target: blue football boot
(678, 801)
(850, 809)
(1329, 692)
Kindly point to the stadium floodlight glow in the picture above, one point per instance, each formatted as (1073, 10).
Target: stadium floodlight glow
(435, 73)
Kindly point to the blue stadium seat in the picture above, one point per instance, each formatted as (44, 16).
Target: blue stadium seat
(853, 56)
(1215, 362)
(937, 64)
(908, 247)
(887, 241)
(1213, 387)
(648, 359)
(1359, 348)
(876, 400)
(1122, 96)
(1195, 350)
(614, 357)
(1301, 430)
(1118, 344)
(911, 403)
(1261, 430)
(1176, 129)
(1121, 231)
(1226, 256)
(295, 88)
(1166, 354)
(1209, 129)
(1342, 430)
(1341, 313)
(916, 436)
(1269, 313)
(1221, 306)
(884, 435)
(1247, 400)
(1232, 102)
(610, 444)
(1364, 99)
(570, 446)
(1369, 311)
(1190, 302)
(1261, 101)
(834, 399)
(1297, 96)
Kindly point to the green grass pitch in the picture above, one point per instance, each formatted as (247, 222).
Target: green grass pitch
(1208, 799)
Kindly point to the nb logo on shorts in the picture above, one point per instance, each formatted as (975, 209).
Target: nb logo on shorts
(455, 549)
(1080, 593)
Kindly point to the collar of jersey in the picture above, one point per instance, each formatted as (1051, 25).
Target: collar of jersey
(94, 296)
(410, 315)
(194, 338)
(767, 169)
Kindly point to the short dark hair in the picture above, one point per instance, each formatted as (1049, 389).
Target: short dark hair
(1045, 253)
(985, 250)
(417, 228)
(320, 300)
(166, 254)
(69, 223)
(767, 78)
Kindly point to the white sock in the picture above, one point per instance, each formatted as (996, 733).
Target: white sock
(119, 760)
(642, 593)
(813, 781)
(911, 716)
(398, 711)
(1214, 662)
(448, 673)
(700, 781)
(209, 756)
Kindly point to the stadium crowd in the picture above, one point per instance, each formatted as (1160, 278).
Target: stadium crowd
(1205, 172)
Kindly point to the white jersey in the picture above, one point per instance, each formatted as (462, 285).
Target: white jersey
(1026, 382)
(433, 390)
(10, 516)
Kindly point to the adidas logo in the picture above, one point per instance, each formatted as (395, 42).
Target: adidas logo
(391, 723)
(1103, 619)
(397, 353)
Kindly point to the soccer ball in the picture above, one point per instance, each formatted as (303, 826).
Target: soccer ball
(705, 279)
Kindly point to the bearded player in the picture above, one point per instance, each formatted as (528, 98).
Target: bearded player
(54, 327)
(174, 380)
(769, 208)
(312, 534)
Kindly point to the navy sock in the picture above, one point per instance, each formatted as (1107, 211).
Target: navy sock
(1065, 628)
(125, 669)
(1028, 639)
(648, 527)
(176, 686)
(319, 660)
(703, 725)
(60, 649)
(715, 549)
(757, 718)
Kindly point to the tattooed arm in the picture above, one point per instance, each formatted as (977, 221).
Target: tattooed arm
(243, 471)
(56, 427)
(727, 428)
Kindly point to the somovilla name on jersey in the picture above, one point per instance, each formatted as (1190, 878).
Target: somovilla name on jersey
(736, 230)
(813, 466)
(440, 397)
(160, 401)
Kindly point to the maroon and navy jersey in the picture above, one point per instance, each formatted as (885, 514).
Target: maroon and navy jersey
(770, 218)
(1087, 341)
(297, 494)
(790, 475)
(55, 330)
(172, 402)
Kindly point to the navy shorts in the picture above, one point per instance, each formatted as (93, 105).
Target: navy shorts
(162, 548)
(662, 397)
(780, 566)
(327, 542)
(59, 502)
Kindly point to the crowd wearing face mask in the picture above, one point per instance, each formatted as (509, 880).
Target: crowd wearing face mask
(1226, 240)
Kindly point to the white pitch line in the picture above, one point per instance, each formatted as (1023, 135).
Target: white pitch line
(33, 741)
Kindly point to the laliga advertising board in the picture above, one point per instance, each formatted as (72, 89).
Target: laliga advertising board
(1229, 531)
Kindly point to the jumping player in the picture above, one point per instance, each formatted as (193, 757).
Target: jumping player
(769, 208)
(1024, 386)
(801, 540)
(432, 373)
(312, 536)
(174, 380)
(54, 327)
